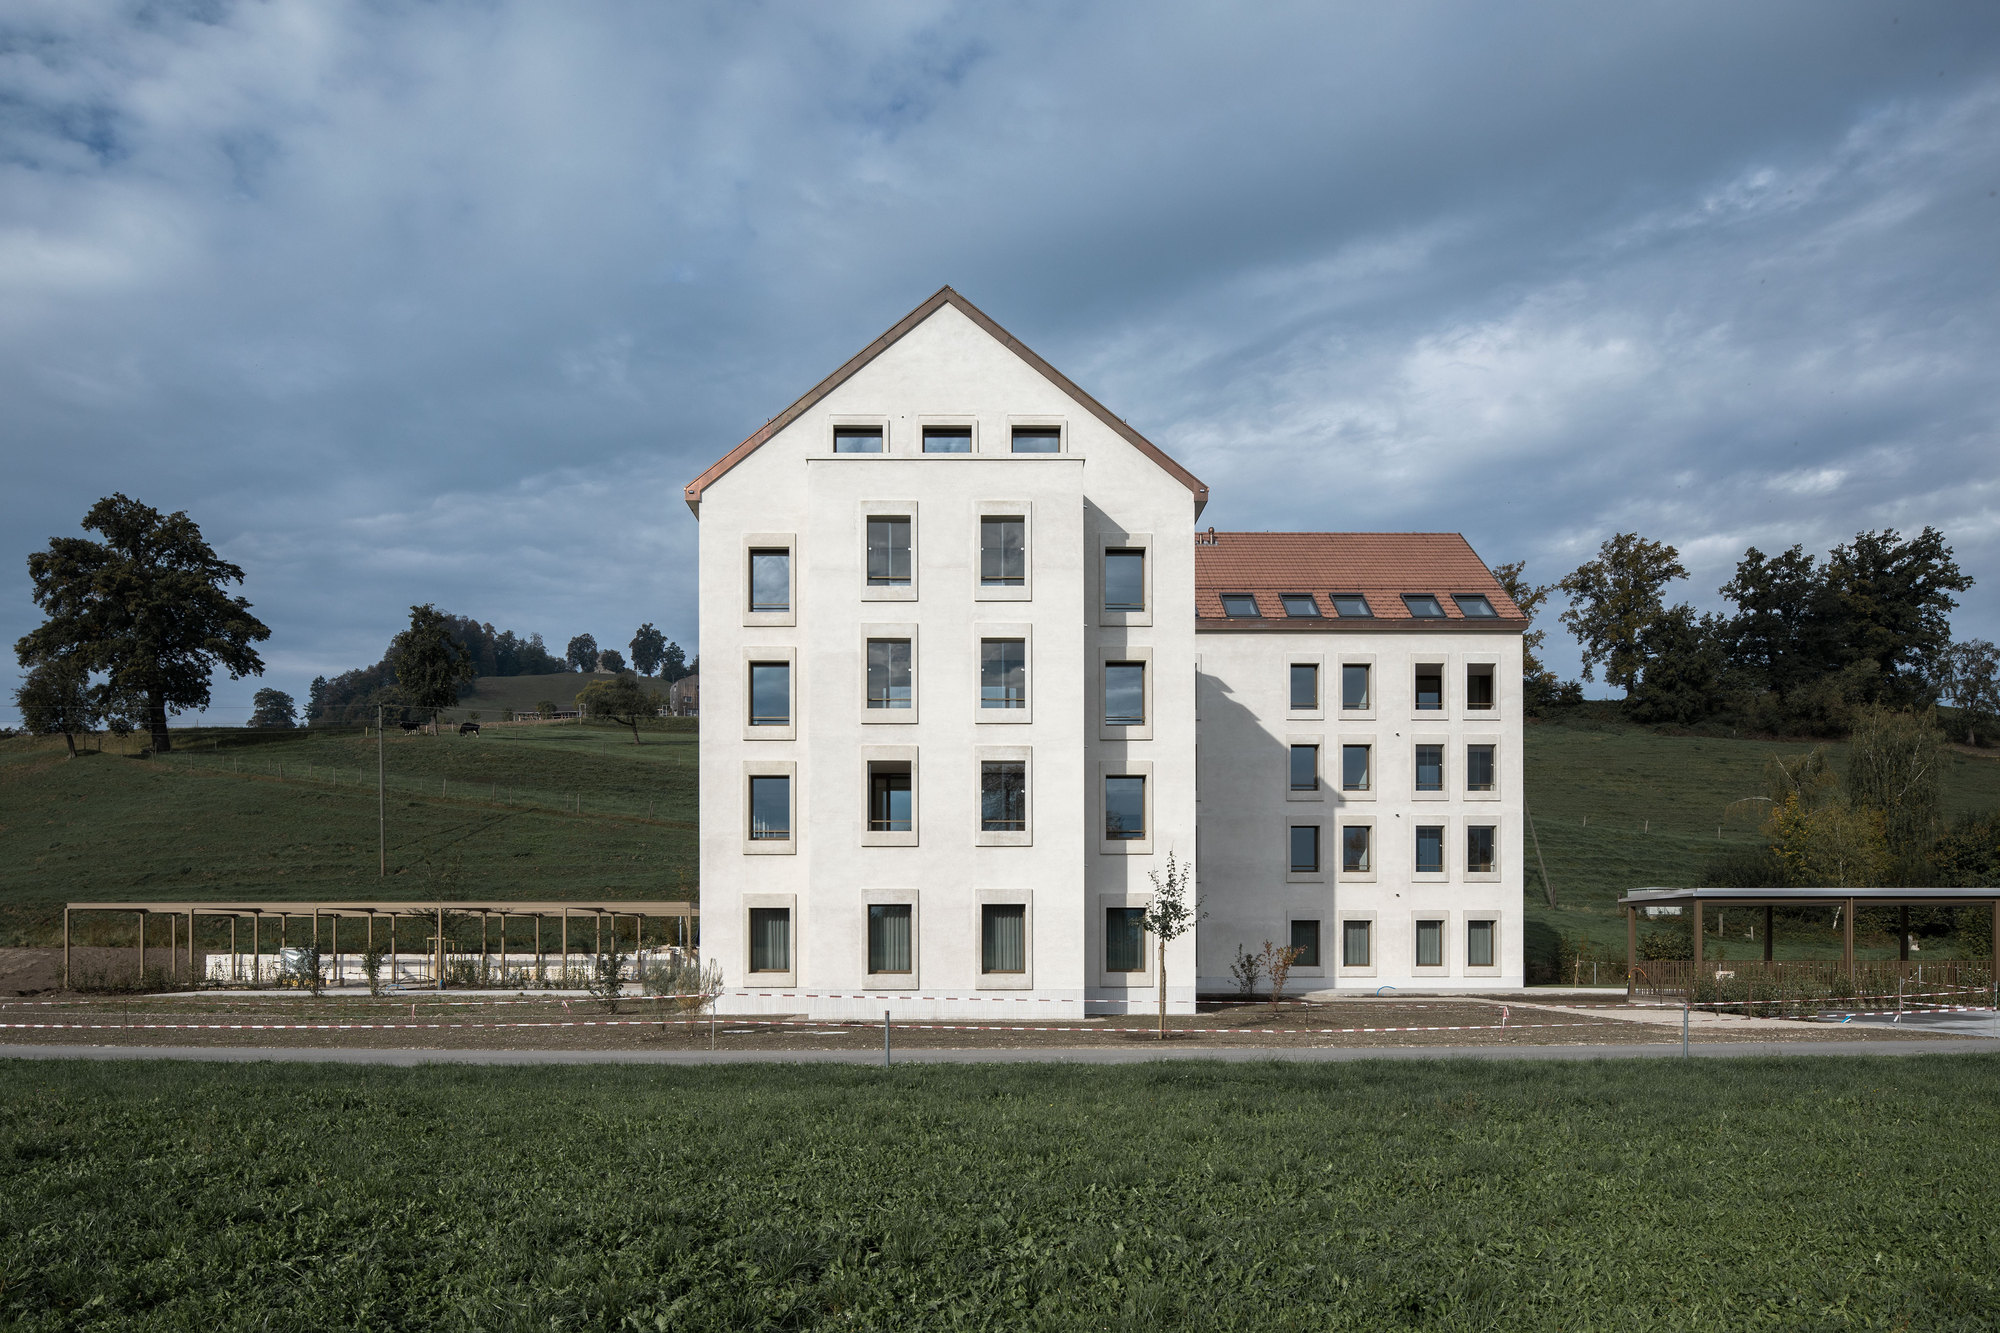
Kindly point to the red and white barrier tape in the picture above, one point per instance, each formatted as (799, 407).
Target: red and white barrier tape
(753, 1022)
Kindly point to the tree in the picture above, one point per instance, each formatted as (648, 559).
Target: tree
(1895, 605)
(581, 653)
(1969, 678)
(430, 662)
(674, 665)
(648, 646)
(611, 660)
(146, 606)
(274, 709)
(1685, 663)
(1786, 632)
(621, 699)
(1538, 683)
(56, 698)
(316, 698)
(1895, 767)
(1829, 845)
(1612, 601)
(1169, 916)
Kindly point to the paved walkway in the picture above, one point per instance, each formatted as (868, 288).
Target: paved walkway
(1044, 1055)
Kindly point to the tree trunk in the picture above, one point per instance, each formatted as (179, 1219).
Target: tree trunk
(635, 730)
(1163, 989)
(72, 744)
(156, 721)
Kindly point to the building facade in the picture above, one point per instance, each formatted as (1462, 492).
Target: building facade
(972, 682)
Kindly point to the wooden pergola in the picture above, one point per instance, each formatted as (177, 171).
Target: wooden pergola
(683, 915)
(1845, 899)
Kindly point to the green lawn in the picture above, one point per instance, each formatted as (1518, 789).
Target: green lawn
(491, 694)
(530, 812)
(1802, 1194)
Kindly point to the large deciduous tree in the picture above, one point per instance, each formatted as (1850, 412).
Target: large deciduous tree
(147, 606)
(648, 646)
(1786, 631)
(57, 698)
(1538, 683)
(1895, 604)
(611, 660)
(1612, 601)
(273, 710)
(621, 699)
(430, 661)
(1969, 678)
(582, 653)
(1684, 669)
(674, 664)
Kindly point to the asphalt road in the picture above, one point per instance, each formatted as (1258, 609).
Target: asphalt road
(1081, 1056)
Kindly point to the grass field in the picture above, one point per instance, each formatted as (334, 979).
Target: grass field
(1802, 1194)
(491, 694)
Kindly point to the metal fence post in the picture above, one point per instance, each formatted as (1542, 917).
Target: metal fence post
(885, 1038)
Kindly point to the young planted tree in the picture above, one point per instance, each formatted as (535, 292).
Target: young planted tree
(1613, 600)
(430, 661)
(57, 699)
(274, 710)
(621, 699)
(1169, 916)
(147, 606)
(648, 646)
(581, 654)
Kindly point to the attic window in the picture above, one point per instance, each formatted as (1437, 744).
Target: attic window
(1423, 606)
(1037, 439)
(1473, 606)
(1350, 606)
(947, 439)
(857, 439)
(1239, 606)
(1299, 604)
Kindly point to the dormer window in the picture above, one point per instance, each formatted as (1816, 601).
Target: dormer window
(1239, 606)
(1474, 606)
(1350, 606)
(1299, 604)
(1423, 606)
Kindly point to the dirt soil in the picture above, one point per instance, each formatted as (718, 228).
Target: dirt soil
(223, 1018)
(40, 971)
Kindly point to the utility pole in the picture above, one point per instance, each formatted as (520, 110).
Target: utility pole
(381, 801)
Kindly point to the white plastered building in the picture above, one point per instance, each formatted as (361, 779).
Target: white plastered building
(968, 686)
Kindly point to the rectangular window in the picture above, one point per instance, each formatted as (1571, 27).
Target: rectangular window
(1003, 552)
(1354, 685)
(771, 580)
(1124, 939)
(1240, 606)
(1423, 606)
(1474, 605)
(1354, 943)
(1003, 937)
(1430, 689)
(1299, 604)
(1305, 687)
(770, 939)
(1354, 767)
(889, 798)
(1305, 939)
(1037, 440)
(1479, 849)
(1124, 694)
(1479, 944)
(1354, 848)
(1479, 688)
(1430, 944)
(889, 551)
(1124, 580)
(1430, 768)
(1430, 849)
(1125, 808)
(947, 439)
(889, 937)
(770, 808)
(1305, 768)
(889, 673)
(1305, 849)
(1003, 673)
(1003, 796)
(857, 439)
(1351, 606)
(1479, 768)
(770, 694)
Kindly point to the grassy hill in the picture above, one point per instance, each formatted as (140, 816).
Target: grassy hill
(491, 694)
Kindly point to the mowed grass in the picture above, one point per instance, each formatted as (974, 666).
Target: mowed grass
(1798, 1194)
(560, 812)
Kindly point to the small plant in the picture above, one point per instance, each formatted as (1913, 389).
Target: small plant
(309, 970)
(1247, 968)
(371, 967)
(1277, 964)
(607, 975)
(1169, 916)
(685, 983)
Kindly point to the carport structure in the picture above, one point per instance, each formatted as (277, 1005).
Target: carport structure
(1847, 900)
(679, 923)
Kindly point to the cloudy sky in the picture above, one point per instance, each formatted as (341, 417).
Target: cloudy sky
(444, 302)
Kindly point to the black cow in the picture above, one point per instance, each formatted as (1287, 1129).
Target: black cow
(468, 728)
(409, 727)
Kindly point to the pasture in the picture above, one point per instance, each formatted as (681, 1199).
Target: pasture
(1849, 1192)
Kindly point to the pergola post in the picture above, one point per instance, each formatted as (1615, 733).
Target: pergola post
(1631, 946)
(235, 958)
(256, 947)
(392, 948)
(142, 948)
(1697, 935)
(1847, 937)
(539, 974)
(440, 946)
(565, 946)
(1903, 934)
(333, 943)
(65, 948)
(503, 948)
(173, 946)
(192, 978)
(1767, 932)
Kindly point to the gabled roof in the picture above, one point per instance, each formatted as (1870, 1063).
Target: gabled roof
(1380, 566)
(945, 296)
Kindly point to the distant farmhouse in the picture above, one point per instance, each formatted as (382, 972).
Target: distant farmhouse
(982, 673)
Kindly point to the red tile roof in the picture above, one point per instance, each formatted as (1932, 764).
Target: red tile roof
(1381, 566)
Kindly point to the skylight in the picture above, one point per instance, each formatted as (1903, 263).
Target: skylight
(1239, 606)
(1350, 606)
(1474, 606)
(1423, 606)
(1299, 604)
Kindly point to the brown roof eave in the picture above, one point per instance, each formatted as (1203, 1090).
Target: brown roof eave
(1304, 625)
